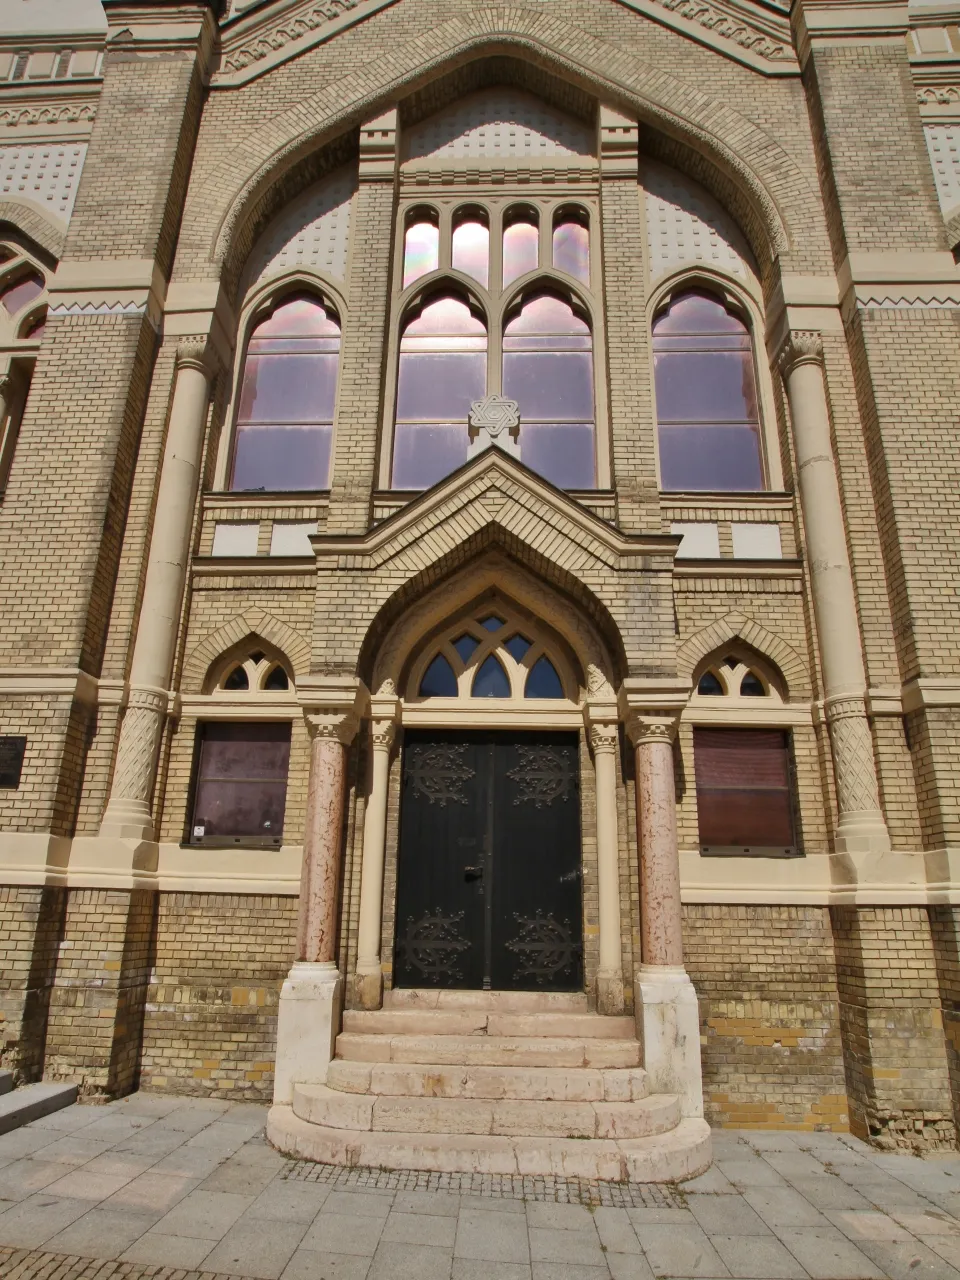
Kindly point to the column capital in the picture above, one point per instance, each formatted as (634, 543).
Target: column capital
(196, 353)
(378, 148)
(619, 144)
(382, 733)
(604, 737)
(643, 730)
(801, 346)
(332, 724)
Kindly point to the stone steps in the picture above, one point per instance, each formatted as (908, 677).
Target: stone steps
(682, 1152)
(477, 1049)
(31, 1101)
(492, 1001)
(540, 1084)
(482, 1022)
(6, 1082)
(334, 1109)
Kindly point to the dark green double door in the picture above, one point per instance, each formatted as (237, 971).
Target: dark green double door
(489, 876)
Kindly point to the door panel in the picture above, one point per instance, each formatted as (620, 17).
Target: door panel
(489, 887)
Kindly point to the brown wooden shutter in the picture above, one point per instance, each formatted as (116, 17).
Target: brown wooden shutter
(743, 788)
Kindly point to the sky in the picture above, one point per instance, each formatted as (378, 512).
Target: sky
(33, 17)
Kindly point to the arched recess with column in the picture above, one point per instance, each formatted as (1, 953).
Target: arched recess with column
(490, 672)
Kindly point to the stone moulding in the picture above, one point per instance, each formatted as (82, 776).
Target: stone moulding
(727, 28)
(70, 113)
(260, 43)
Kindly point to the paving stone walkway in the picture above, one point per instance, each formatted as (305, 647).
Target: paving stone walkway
(173, 1188)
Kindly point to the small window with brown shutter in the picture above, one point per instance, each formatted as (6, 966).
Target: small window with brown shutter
(744, 792)
(240, 787)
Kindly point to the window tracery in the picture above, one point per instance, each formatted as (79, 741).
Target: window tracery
(490, 655)
(255, 673)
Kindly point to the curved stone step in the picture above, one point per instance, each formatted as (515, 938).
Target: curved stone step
(332, 1109)
(540, 1084)
(481, 1022)
(470, 1050)
(684, 1152)
(491, 1001)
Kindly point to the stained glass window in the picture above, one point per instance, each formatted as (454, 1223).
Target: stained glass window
(471, 248)
(571, 246)
(521, 247)
(421, 251)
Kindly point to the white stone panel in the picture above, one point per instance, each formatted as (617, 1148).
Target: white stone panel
(756, 542)
(313, 232)
(701, 541)
(503, 123)
(47, 176)
(943, 143)
(236, 538)
(292, 538)
(685, 224)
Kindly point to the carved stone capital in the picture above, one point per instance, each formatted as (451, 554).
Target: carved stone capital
(644, 730)
(848, 706)
(331, 724)
(196, 353)
(604, 738)
(801, 346)
(382, 734)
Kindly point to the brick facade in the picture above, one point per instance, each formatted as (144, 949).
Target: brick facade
(828, 981)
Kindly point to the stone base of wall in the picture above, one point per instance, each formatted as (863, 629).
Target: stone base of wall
(210, 1026)
(811, 1017)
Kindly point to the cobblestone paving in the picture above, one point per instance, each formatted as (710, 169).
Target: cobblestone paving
(176, 1189)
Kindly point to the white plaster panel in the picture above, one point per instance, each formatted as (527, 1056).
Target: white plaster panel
(235, 538)
(506, 123)
(685, 224)
(756, 541)
(701, 541)
(292, 538)
(48, 176)
(943, 143)
(313, 231)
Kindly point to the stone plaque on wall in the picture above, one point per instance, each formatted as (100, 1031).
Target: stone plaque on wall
(12, 751)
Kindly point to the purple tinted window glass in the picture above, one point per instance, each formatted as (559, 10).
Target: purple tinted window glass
(549, 385)
(287, 399)
(549, 315)
(424, 453)
(279, 458)
(36, 329)
(543, 681)
(521, 250)
(242, 781)
(438, 680)
(471, 250)
(421, 251)
(517, 646)
(561, 452)
(466, 646)
(439, 387)
(571, 249)
(18, 295)
(707, 411)
(491, 680)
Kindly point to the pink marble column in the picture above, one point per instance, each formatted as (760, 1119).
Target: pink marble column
(323, 838)
(661, 938)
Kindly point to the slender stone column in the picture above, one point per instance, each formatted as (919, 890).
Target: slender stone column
(308, 1018)
(661, 938)
(369, 979)
(128, 813)
(665, 1002)
(861, 826)
(604, 739)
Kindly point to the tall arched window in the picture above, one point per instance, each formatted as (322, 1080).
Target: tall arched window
(441, 370)
(548, 370)
(287, 399)
(708, 417)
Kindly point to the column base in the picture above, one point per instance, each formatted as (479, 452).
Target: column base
(864, 832)
(308, 1022)
(127, 820)
(368, 987)
(668, 1027)
(610, 992)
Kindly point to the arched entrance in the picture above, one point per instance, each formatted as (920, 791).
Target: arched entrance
(489, 865)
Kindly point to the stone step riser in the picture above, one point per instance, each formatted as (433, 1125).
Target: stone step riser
(456, 1051)
(543, 1084)
(334, 1110)
(490, 1001)
(438, 1022)
(682, 1153)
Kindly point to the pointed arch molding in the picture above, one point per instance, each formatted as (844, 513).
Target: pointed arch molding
(759, 167)
(256, 623)
(31, 221)
(737, 626)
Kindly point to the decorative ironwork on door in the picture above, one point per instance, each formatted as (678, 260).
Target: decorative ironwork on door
(489, 877)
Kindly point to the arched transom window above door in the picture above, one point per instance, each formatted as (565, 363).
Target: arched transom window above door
(492, 653)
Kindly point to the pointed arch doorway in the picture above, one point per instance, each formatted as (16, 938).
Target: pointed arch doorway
(489, 887)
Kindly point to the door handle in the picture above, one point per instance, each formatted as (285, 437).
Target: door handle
(473, 873)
